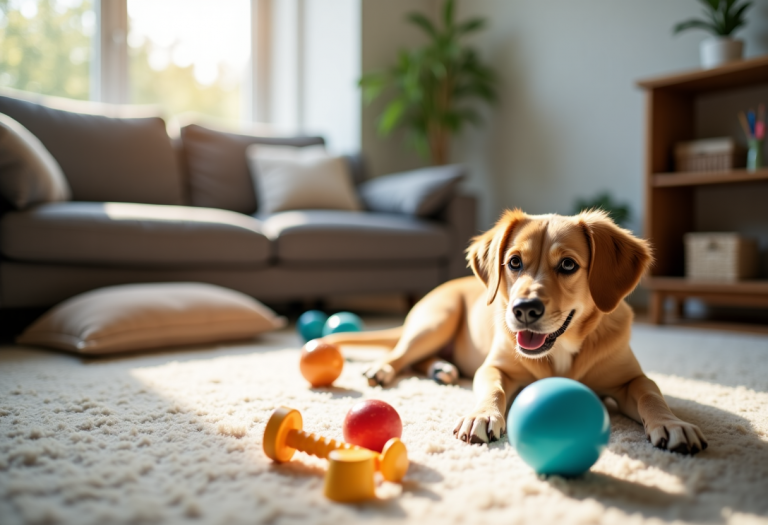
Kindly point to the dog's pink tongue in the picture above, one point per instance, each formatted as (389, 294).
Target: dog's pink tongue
(530, 340)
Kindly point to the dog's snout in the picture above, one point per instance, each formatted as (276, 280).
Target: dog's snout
(528, 310)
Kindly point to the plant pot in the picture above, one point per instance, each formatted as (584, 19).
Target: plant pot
(720, 50)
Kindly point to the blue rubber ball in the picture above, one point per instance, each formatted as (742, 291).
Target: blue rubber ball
(310, 324)
(558, 426)
(343, 322)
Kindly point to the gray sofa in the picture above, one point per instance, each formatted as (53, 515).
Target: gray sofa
(146, 208)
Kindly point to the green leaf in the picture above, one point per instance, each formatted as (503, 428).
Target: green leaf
(417, 140)
(373, 84)
(423, 22)
(470, 26)
(392, 116)
(737, 20)
(448, 14)
(711, 4)
(695, 24)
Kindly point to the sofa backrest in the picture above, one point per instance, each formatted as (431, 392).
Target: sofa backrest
(105, 158)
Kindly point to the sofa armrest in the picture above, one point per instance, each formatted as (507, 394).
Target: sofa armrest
(460, 216)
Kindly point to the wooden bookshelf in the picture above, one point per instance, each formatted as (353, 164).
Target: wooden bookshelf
(671, 197)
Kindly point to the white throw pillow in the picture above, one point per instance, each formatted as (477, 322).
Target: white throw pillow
(291, 178)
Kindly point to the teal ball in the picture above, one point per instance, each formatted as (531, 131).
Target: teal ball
(558, 426)
(343, 322)
(310, 324)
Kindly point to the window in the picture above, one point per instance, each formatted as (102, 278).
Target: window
(46, 46)
(190, 55)
(290, 63)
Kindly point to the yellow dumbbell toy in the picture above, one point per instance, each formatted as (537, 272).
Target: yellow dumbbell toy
(283, 436)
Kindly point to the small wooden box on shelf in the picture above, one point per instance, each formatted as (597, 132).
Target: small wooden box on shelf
(672, 103)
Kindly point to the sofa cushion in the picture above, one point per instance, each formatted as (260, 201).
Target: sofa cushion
(122, 234)
(217, 170)
(105, 158)
(311, 236)
(30, 175)
(422, 192)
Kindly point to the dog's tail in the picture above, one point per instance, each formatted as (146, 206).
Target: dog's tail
(388, 337)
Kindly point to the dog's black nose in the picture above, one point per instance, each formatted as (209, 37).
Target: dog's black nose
(528, 310)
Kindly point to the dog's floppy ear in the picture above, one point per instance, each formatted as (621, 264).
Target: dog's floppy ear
(617, 259)
(487, 250)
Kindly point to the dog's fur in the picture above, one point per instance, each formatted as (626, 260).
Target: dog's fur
(578, 270)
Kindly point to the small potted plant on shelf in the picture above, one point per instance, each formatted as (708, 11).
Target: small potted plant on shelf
(722, 19)
(430, 87)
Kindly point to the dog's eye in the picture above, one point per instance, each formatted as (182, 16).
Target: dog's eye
(568, 265)
(515, 263)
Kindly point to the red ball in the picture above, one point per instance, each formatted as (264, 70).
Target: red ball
(371, 423)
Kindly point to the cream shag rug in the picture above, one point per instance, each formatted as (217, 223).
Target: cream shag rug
(176, 438)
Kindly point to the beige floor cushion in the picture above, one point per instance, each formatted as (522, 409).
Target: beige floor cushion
(142, 316)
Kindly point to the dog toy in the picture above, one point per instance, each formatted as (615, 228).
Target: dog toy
(310, 324)
(350, 475)
(343, 322)
(283, 436)
(558, 426)
(320, 363)
(372, 424)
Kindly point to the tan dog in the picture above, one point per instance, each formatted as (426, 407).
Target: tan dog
(548, 302)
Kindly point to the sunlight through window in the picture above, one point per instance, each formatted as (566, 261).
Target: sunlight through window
(190, 55)
(46, 46)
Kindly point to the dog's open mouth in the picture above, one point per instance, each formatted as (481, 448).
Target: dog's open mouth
(532, 343)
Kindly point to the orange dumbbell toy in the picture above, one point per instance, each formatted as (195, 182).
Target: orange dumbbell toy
(321, 363)
(283, 436)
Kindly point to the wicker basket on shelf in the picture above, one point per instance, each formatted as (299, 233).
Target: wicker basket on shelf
(720, 154)
(720, 256)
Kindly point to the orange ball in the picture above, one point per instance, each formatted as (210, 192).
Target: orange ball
(321, 363)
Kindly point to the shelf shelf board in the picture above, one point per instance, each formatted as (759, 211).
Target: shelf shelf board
(739, 73)
(697, 178)
(757, 287)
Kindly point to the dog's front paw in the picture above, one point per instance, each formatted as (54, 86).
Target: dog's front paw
(676, 436)
(481, 426)
(380, 374)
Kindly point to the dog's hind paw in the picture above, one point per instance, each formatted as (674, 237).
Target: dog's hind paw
(443, 372)
(676, 436)
(380, 374)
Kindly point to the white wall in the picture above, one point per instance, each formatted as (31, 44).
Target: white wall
(570, 122)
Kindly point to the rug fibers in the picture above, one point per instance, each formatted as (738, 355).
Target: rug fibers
(175, 437)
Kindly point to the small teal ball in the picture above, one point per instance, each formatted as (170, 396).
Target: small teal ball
(343, 322)
(558, 426)
(310, 324)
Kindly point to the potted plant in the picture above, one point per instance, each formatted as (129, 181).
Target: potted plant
(618, 212)
(722, 19)
(431, 86)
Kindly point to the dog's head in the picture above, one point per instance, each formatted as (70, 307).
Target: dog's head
(551, 272)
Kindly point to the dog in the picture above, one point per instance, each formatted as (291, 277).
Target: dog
(547, 299)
